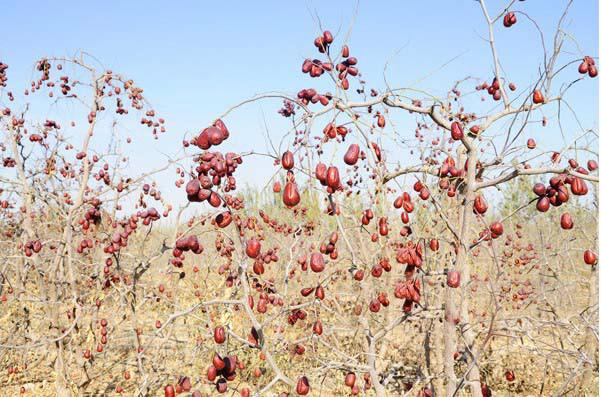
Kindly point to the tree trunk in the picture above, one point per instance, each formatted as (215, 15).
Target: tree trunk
(591, 345)
(438, 358)
(451, 312)
(450, 342)
(60, 382)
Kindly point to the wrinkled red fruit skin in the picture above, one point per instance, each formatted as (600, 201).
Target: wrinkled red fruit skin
(566, 221)
(531, 143)
(480, 205)
(302, 386)
(288, 160)
(317, 262)
(434, 245)
(349, 379)
(221, 385)
(333, 178)
(543, 204)
(352, 154)
(496, 228)
(453, 278)
(224, 219)
(321, 171)
(253, 248)
(169, 391)
(456, 131)
(291, 197)
(592, 165)
(219, 335)
(590, 258)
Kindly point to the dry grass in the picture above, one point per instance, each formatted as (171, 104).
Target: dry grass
(542, 337)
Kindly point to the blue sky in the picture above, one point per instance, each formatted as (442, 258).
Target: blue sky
(195, 59)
